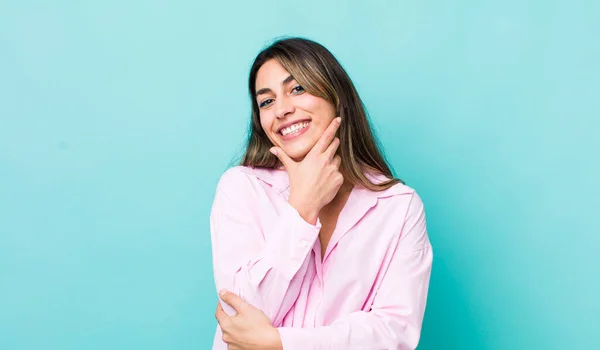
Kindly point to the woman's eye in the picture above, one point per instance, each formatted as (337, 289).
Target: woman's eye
(265, 103)
(298, 89)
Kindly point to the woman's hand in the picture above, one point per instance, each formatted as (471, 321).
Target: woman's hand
(316, 179)
(249, 329)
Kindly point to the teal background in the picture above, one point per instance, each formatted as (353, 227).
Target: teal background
(118, 117)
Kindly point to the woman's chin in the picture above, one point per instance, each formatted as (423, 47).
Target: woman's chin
(297, 153)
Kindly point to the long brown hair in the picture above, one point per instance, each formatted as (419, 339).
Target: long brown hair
(320, 74)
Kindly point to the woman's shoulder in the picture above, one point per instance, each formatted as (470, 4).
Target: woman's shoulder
(399, 188)
(235, 173)
(240, 176)
(399, 195)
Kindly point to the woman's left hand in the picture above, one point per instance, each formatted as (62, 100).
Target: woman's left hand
(249, 329)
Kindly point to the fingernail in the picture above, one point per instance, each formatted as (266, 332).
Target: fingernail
(339, 119)
(222, 292)
(273, 150)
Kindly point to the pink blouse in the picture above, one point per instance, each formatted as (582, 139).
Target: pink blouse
(368, 292)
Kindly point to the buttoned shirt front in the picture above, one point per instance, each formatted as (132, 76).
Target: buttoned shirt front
(367, 292)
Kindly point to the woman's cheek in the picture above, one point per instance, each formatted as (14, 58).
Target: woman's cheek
(267, 124)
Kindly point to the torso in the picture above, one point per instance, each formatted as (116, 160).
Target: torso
(364, 226)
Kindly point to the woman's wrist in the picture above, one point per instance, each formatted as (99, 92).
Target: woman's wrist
(308, 213)
(274, 340)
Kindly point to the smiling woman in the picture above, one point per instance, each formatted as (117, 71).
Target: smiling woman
(315, 243)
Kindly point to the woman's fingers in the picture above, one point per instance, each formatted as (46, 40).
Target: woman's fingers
(337, 160)
(220, 314)
(330, 151)
(283, 157)
(327, 137)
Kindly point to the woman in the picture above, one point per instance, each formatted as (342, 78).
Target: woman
(315, 244)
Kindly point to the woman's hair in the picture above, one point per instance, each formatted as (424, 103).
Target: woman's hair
(320, 74)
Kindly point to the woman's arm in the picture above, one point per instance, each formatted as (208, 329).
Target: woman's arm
(264, 263)
(395, 319)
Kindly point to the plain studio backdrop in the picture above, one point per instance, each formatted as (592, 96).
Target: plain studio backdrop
(117, 118)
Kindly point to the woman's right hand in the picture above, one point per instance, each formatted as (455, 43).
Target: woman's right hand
(316, 179)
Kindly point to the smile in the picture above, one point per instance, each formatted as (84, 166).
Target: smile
(293, 129)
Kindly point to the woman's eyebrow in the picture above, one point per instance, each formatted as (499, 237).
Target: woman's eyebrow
(267, 90)
(287, 80)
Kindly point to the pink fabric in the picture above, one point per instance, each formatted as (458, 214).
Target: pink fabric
(370, 290)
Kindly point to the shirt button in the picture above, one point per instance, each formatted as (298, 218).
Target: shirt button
(304, 243)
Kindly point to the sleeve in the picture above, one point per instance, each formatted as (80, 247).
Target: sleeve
(395, 319)
(263, 263)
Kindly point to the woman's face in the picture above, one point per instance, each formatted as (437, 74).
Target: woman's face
(293, 119)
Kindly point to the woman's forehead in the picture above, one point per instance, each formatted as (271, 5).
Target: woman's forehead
(271, 72)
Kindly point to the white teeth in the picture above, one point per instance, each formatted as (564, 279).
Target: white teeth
(294, 128)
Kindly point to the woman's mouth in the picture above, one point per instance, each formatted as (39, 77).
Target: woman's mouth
(295, 130)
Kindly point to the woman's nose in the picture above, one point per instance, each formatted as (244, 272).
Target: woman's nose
(283, 107)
